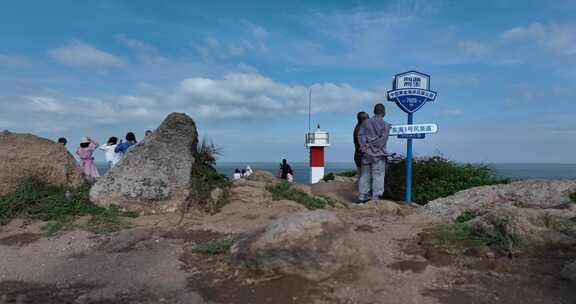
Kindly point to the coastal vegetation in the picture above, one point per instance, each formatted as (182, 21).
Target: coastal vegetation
(435, 177)
(573, 197)
(283, 191)
(60, 208)
(205, 180)
(461, 231)
(220, 246)
(432, 178)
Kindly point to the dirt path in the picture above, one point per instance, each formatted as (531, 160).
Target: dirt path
(153, 263)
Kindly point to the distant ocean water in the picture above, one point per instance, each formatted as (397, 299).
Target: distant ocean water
(302, 172)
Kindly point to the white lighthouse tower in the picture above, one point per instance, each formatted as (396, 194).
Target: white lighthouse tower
(316, 141)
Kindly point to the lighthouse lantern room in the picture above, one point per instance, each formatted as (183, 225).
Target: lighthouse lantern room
(316, 141)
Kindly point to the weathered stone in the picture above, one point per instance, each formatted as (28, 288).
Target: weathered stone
(528, 194)
(569, 272)
(528, 225)
(263, 176)
(25, 156)
(313, 244)
(154, 175)
(249, 194)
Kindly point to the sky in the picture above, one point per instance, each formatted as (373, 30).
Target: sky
(505, 73)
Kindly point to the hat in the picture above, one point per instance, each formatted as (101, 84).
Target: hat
(85, 140)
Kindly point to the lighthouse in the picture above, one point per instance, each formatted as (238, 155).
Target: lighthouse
(316, 141)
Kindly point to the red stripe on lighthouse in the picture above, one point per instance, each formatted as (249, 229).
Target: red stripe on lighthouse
(316, 156)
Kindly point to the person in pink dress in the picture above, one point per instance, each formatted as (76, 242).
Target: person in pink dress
(85, 152)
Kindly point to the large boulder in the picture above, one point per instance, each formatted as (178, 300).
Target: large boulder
(25, 156)
(311, 244)
(155, 174)
(530, 226)
(540, 194)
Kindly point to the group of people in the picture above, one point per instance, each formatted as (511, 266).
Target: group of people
(370, 155)
(285, 171)
(238, 174)
(114, 151)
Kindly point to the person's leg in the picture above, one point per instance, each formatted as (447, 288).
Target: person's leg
(364, 182)
(378, 174)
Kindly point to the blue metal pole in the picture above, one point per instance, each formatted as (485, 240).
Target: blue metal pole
(408, 194)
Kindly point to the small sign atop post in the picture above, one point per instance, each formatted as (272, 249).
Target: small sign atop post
(410, 91)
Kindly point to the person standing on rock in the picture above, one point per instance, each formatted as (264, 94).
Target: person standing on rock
(112, 158)
(123, 147)
(361, 116)
(85, 152)
(373, 137)
(285, 170)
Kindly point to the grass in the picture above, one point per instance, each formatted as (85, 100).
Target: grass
(59, 207)
(329, 177)
(283, 191)
(463, 232)
(350, 173)
(466, 216)
(573, 197)
(215, 247)
(205, 179)
(558, 224)
(466, 233)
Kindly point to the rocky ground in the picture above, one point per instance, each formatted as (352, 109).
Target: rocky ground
(154, 262)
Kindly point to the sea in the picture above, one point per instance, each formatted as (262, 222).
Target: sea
(516, 171)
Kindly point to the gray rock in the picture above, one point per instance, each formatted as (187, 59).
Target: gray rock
(569, 272)
(541, 194)
(24, 156)
(126, 240)
(313, 244)
(154, 175)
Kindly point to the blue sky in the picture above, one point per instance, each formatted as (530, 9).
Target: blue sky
(505, 72)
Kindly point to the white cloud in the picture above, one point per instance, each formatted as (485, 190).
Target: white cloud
(79, 54)
(134, 44)
(256, 95)
(449, 113)
(474, 48)
(235, 96)
(560, 39)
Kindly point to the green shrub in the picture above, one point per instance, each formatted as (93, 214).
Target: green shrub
(466, 216)
(573, 197)
(204, 179)
(467, 234)
(283, 191)
(435, 177)
(329, 177)
(350, 173)
(58, 206)
(215, 247)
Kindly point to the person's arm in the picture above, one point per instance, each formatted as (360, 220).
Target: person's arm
(119, 148)
(362, 136)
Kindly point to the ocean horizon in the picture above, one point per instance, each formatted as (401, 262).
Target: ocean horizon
(514, 171)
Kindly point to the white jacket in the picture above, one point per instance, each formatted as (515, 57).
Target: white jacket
(111, 156)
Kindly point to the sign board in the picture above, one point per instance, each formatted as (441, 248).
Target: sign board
(410, 91)
(414, 129)
(412, 136)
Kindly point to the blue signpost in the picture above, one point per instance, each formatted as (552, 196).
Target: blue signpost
(410, 91)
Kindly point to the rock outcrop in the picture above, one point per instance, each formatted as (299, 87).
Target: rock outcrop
(24, 156)
(313, 244)
(155, 174)
(569, 272)
(541, 194)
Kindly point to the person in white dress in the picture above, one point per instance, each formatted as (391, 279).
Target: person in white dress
(112, 158)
